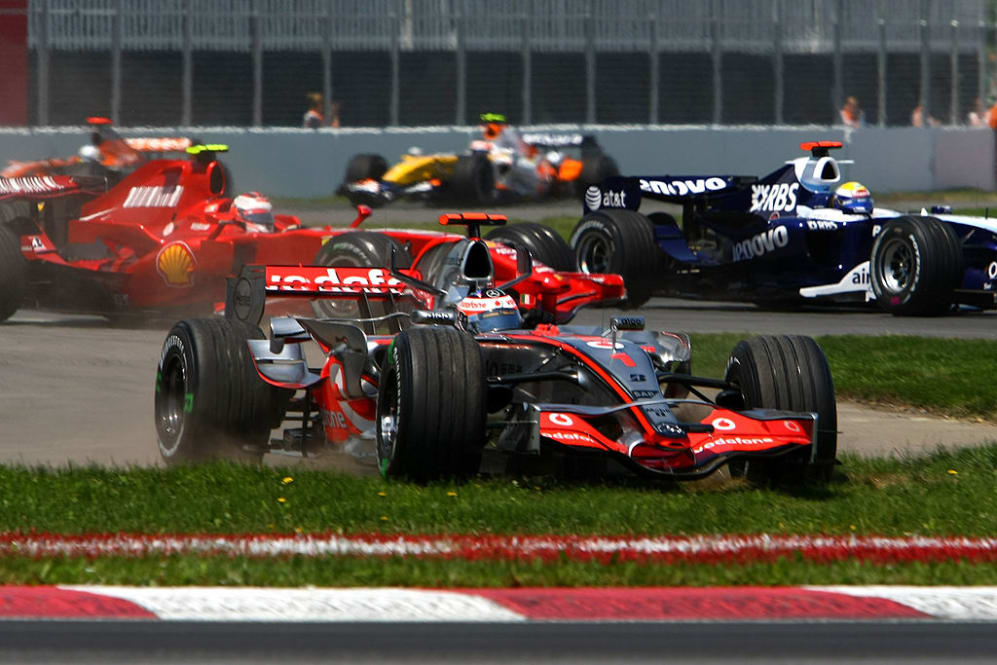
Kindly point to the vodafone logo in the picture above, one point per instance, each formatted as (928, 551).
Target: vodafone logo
(329, 279)
(604, 344)
(723, 424)
(793, 426)
(561, 419)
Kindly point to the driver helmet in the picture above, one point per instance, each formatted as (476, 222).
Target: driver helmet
(492, 125)
(255, 210)
(853, 197)
(89, 153)
(489, 310)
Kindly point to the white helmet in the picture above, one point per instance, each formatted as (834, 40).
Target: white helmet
(254, 208)
(89, 153)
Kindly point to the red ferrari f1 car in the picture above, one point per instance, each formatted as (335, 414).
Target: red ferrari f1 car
(425, 376)
(165, 237)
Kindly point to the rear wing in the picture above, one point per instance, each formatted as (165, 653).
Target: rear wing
(627, 192)
(547, 141)
(246, 294)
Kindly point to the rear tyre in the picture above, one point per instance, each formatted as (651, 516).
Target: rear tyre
(595, 169)
(620, 242)
(13, 273)
(359, 249)
(364, 166)
(210, 401)
(473, 181)
(916, 266)
(431, 406)
(789, 373)
(545, 244)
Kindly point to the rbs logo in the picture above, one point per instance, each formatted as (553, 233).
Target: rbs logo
(774, 198)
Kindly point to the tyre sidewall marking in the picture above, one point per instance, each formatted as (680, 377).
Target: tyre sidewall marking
(174, 345)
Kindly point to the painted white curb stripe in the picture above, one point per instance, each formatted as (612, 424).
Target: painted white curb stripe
(484, 546)
(306, 605)
(957, 603)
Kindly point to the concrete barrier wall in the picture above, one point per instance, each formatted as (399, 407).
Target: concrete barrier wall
(310, 163)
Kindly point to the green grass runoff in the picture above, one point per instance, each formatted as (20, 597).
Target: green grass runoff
(949, 493)
(875, 496)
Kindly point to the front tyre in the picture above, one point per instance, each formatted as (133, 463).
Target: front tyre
(431, 406)
(210, 403)
(621, 242)
(788, 373)
(916, 266)
(13, 273)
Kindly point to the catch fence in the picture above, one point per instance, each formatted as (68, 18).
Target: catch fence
(442, 62)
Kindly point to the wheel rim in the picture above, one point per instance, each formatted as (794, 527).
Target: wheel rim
(170, 402)
(387, 424)
(595, 252)
(896, 265)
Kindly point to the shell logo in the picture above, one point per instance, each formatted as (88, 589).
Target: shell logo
(175, 264)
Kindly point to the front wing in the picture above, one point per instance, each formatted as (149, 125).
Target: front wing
(698, 450)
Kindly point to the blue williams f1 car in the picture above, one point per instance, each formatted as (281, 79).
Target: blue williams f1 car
(796, 235)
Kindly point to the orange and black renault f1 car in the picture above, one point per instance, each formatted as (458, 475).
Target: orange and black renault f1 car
(425, 378)
(555, 165)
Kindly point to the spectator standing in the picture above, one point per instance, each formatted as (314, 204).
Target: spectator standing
(977, 116)
(313, 116)
(851, 113)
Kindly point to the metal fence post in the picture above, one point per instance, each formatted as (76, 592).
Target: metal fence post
(777, 64)
(256, 29)
(43, 64)
(981, 64)
(327, 63)
(396, 26)
(652, 115)
(527, 55)
(838, 86)
(954, 71)
(716, 56)
(461, 57)
(187, 83)
(881, 74)
(116, 30)
(590, 63)
(925, 64)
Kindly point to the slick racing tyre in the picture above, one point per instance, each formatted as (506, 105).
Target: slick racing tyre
(915, 266)
(13, 273)
(620, 242)
(210, 401)
(359, 249)
(595, 169)
(431, 406)
(788, 373)
(473, 180)
(545, 244)
(363, 166)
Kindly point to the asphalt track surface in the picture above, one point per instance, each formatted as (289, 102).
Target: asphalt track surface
(702, 643)
(75, 390)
